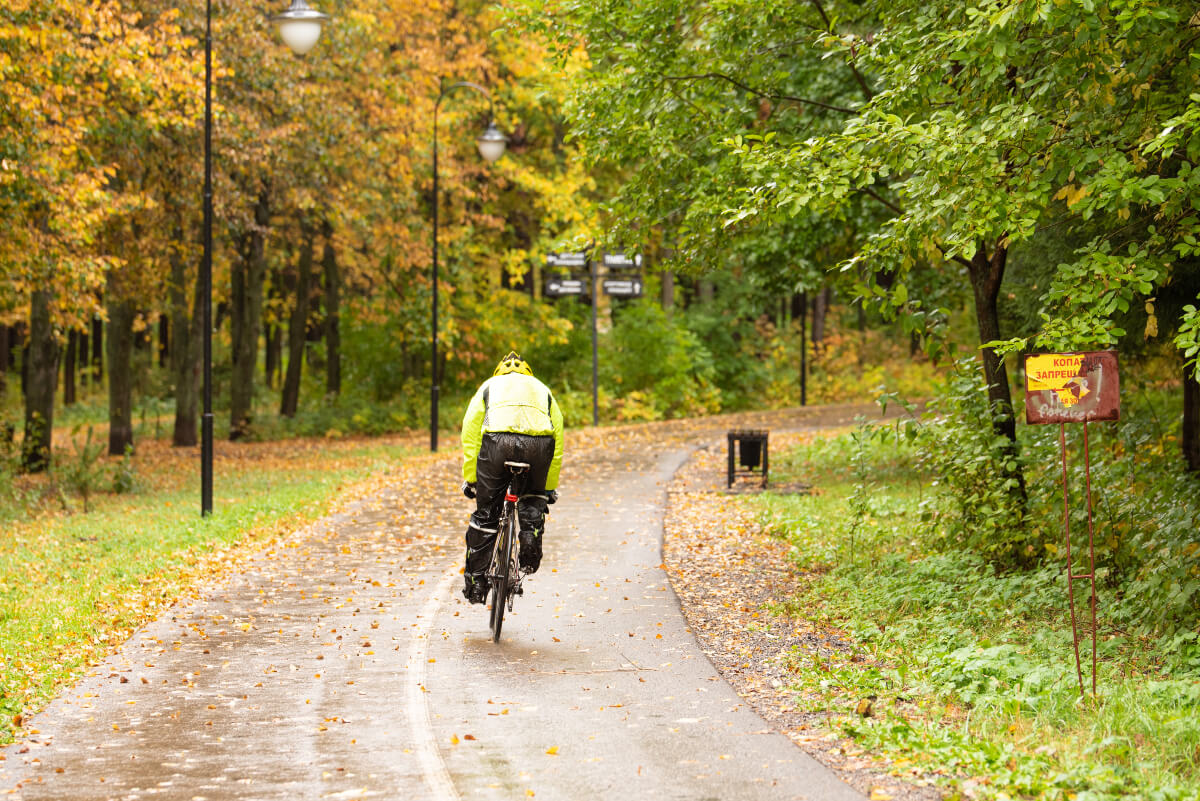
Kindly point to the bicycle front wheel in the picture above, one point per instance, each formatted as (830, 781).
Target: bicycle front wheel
(501, 581)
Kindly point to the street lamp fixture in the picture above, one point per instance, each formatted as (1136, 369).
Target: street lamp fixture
(491, 143)
(300, 27)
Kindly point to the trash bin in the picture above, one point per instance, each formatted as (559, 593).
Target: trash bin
(747, 454)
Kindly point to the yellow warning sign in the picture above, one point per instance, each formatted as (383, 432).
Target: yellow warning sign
(1072, 387)
(1058, 373)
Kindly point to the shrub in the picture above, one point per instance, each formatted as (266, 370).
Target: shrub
(659, 366)
(82, 474)
(980, 507)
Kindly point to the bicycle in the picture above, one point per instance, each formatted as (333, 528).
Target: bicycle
(504, 572)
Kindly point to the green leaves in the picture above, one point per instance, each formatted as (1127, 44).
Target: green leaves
(1188, 339)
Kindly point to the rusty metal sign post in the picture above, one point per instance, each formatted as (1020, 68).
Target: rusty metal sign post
(1074, 388)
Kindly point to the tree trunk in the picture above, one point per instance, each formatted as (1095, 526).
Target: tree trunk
(274, 335)
(248, 277)
(4, 351)
(987, 274)
(185, 349)
(164, 340)
(1191, 421)
(296, 330)
(668, 291)
(69, 368)
(82, 358)
(97, 350)
(119, 350)
(141, 340)
(820, 309)
(333, 301)
(25, 370)
(40, 384)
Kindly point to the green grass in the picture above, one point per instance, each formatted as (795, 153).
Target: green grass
(971, 671)
(73, 587)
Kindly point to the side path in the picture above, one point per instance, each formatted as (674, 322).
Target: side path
(345, 665)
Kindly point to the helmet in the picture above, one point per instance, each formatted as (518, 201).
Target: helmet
(512, 363)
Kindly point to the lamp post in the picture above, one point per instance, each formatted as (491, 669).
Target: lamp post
(491, 144)
(300, 27)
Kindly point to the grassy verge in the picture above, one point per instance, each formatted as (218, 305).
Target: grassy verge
(74, 586)
(955, 671)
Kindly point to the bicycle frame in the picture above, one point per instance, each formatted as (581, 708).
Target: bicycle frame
(504, 572)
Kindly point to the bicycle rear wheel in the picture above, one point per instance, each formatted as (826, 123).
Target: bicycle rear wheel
(500, 582)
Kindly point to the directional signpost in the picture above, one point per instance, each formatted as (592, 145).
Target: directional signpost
(574, 275)
(620, 283)
(623, 261)
(623, 287)
(558, 286)
(566, 275)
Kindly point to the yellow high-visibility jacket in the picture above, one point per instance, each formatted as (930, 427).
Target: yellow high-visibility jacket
(517, 404)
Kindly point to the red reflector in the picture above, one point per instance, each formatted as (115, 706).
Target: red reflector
(510, 498)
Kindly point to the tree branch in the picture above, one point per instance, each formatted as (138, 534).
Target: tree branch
(956, 258)
(862, 82)
(871, 193)
(757, 92)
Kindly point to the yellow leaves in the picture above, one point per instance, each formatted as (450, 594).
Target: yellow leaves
(1072, 194)
(1151, 320)
(552, 750)
(880, 794)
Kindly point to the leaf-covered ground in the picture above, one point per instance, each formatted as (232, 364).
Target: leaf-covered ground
(731, 578)
(74, 586)
(316, 569)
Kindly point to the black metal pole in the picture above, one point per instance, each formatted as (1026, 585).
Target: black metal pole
(803, 348)
(433, 392)
(595, 347)
(206, 421)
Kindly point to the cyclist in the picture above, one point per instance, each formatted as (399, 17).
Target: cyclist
(512, 417)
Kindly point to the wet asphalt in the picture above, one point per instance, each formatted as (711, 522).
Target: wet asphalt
(345, 664)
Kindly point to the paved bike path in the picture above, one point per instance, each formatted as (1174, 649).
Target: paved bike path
(345, 664)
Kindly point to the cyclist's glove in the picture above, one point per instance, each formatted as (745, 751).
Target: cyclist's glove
(468, 489)
(551, 496)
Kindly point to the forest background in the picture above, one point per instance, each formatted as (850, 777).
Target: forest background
(903, 197)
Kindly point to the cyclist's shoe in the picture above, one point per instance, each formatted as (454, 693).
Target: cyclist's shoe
(530, 556)
(475, 588)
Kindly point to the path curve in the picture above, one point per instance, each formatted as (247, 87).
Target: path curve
(344, 664)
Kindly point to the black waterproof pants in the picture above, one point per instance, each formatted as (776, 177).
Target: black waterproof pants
(491, 481)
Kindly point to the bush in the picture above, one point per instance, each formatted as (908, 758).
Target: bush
(660, 368)
(981, 505)
(82, 474)
(10, 464)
